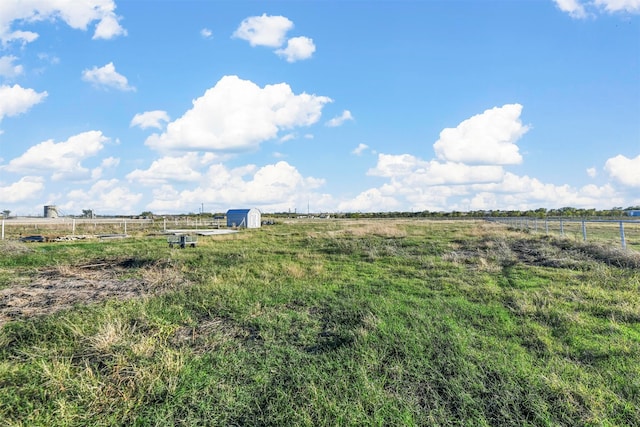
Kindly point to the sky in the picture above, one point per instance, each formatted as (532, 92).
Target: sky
(131, 106)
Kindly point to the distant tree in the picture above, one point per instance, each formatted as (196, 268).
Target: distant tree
(567, 211)
(6, 213)
(540, 212)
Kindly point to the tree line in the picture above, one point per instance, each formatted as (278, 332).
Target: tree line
(565, 212)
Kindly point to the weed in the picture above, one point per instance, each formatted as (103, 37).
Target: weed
(322, 323)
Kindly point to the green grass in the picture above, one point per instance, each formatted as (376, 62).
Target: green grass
(334, 323)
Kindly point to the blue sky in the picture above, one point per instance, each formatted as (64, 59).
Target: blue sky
(125, 106)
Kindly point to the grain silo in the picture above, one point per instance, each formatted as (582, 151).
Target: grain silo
(51, 211)
(244, 218)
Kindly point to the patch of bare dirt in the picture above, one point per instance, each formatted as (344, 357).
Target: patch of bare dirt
(63, 287)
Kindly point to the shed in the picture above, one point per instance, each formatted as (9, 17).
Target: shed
(633, 212)
(248, 218)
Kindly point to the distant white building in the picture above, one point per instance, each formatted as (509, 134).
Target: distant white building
(244, 218)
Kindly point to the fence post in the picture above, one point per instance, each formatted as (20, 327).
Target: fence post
(584, 230)
(2, 228)
(546, 226)
(561, 228)
(622, 240)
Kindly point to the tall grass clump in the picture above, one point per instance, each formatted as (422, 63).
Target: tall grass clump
(368, 322)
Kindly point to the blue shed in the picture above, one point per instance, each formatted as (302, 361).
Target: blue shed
(247, 218)
(633, 212)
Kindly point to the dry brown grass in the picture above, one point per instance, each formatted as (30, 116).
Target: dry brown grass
(377, 228)
(110, 334)
(63, 286)
(209, 334)
(380, 228)
(491, 252)
(296, 271)
(14, 247)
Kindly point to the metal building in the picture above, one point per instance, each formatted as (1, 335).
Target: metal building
(244, 218)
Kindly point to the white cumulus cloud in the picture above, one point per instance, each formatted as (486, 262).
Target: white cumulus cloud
(611, 6)
(287, 137)
(169, 169)
(487, 138)
(372, 200)
(206, 33)
(62, 159)
(104, 197)
(297, 48)
(624, 170)
(580, 9)
(150, 119)
(524, 192)
(110, 162)
(107, 163)
(109, 27)
(107, 77)
(264, 30)
(436, 173)
(573, 7)
(76, 14)
(360, 149)
(509, 192)
(275, 187)
(16, 100)
(7, 67)
(476, 181)
(339, 121)
(237, 115)
(392, 166)
(413, 171)
(24, 189)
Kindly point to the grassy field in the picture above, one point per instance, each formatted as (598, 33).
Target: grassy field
(322, 323)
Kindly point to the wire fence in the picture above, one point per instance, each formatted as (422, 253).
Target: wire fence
(620, 232)
(625, 233)
(15, 228)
